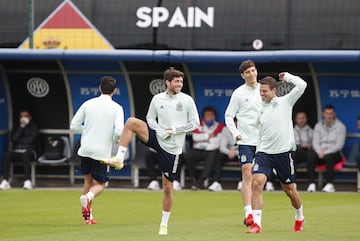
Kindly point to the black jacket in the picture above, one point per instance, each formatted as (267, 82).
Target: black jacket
(25, 137)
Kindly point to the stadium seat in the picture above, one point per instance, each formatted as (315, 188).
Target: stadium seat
(66, 154)
(138, 163)
(64, 161)
(338, 166)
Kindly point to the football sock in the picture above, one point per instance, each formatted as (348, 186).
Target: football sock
(299, 215)
(91, 215)
(165, 218)
(248, 210)
(257, 216)
(90, 196)
(121, 152)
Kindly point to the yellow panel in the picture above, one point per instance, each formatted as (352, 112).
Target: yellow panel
(68, 39)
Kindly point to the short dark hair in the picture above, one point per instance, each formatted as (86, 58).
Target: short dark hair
(328, 107)
(208, 109)
(25, 110)
(172, 73)
(245, 65)
(107, 85)
(268, 80)
(301, 111)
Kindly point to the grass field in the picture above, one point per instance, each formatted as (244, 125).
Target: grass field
(52, 215)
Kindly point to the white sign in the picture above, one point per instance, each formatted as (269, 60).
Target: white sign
(344, 93)
(93, 91)
(37, 87)
(194, 17)
(157, 86)
(209, 92)
(257, 44)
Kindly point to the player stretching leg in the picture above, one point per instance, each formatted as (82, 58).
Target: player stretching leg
(170, 116)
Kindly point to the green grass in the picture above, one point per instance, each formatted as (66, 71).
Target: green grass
(40, 215)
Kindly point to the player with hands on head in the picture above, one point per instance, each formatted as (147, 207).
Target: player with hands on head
(276, 143)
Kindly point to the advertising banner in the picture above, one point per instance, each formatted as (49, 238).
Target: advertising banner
(3, 122)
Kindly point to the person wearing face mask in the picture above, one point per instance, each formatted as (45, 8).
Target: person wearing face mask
(206, 143)
(23, 140)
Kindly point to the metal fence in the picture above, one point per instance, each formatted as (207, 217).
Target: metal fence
(201, 24)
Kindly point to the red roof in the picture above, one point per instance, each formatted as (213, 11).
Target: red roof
(66, 17)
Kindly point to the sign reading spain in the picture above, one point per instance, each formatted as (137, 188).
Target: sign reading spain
(67, 28)
(153, 17)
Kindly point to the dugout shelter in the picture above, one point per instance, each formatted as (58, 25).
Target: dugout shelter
(53, 83)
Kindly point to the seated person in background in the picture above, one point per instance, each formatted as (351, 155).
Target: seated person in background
(206, 142)
(228, 152)
(328, 141)
(303, 134)
(24, 139)
(151, 161)
(269, 183)
(358, 156)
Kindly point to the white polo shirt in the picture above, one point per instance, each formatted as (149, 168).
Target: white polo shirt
(276, 132)
(178, 111)
(100, 120)
(244, 104)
